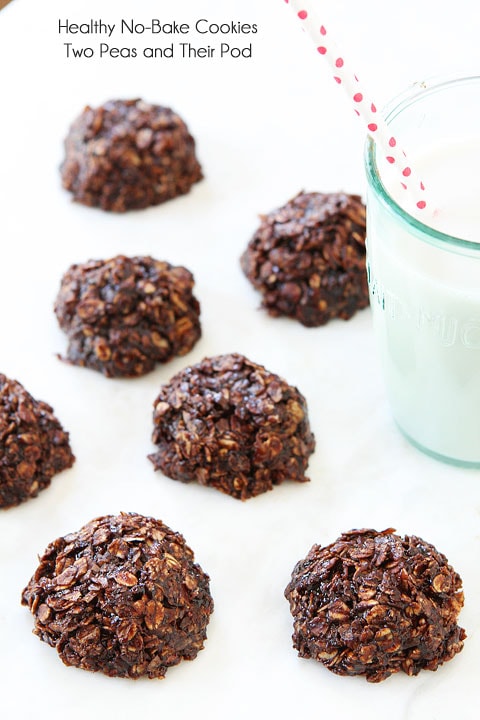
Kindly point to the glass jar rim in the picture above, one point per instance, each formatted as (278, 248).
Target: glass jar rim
(413, 94)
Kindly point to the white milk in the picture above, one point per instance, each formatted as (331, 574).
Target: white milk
(426, 306)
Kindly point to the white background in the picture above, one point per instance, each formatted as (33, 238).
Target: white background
(265, 127)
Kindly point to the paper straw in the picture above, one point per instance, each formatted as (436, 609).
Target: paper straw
(363, 105)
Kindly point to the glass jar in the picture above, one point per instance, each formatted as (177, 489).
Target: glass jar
(425, 283)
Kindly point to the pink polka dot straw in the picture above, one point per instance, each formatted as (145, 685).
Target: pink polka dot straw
(362, 104)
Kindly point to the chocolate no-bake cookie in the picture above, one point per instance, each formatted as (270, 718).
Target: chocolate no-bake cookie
(373, 604)
(122, 596)
(307, 258)
(127, 155)
(230, 424)
(124, 315)
(33, 445)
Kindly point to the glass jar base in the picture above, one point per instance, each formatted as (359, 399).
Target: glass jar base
(473, 465)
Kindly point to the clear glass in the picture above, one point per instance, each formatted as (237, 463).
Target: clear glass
(425, 285)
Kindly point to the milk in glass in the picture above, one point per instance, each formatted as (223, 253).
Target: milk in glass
(425, 298)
